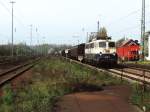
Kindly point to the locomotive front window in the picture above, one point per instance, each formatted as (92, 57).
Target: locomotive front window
(111, 44)
(92, 45)
(102, 44)
(87, 46)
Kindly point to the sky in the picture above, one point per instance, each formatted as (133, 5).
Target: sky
(68, 21)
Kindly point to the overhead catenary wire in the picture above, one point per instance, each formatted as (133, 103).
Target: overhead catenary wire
(126, 16)
(16, 18)
(131, 28)
(19, 21)
(2, 4)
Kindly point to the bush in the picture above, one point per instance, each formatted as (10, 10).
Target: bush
(140, 97)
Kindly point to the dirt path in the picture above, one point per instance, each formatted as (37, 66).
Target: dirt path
(112, 99)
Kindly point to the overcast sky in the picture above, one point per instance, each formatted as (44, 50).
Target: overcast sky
(66, 21)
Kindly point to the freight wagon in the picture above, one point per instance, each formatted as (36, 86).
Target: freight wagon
(78, 52)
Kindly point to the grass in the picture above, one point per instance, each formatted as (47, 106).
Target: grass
(144, 62)
(52, 79)
(6, 100)
(141, 96)
(139, 62)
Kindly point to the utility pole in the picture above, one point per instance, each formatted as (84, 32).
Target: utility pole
(87, 39)
(97, 29)
(44, 47)
(12, 47)
(25, 50)
(37, 50)
(98, 26)
(31, 39)
(31, 35)
(143, 30)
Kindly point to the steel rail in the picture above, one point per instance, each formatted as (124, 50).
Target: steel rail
(132, 76)
(138, 67)
(16, 71)
(137, 74)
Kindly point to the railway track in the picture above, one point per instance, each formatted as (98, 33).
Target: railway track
(15, 71)
(134, 74)
(141, 68)
(141, 78)
(136, 66)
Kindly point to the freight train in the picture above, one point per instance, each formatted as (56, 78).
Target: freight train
(97, 52)
(105, 52)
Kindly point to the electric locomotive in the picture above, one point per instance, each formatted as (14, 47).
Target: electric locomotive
(101, 52)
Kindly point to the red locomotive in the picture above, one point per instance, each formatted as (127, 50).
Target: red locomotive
(128, 50)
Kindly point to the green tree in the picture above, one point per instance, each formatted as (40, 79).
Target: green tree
(102, 34)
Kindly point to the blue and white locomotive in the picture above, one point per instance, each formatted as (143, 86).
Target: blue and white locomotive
(101, 52)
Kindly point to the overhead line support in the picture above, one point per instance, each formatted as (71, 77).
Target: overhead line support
(12, 49)
(143, 30)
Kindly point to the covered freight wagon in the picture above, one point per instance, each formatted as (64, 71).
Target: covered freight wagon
(78, 52)
(128, 50)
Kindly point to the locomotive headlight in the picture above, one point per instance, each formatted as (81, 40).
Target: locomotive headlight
(100, 53)
(114, 53)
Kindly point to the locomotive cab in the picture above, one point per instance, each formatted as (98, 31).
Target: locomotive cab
(109, 55)
(101, 51)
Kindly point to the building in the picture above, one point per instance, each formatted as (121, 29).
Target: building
(128, 50)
